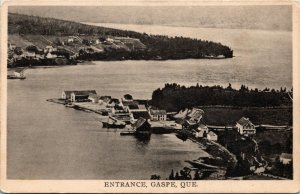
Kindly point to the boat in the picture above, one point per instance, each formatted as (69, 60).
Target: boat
(16, 74)
(124, 133)
(200, 164)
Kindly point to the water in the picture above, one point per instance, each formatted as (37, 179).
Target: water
(262, 58)
(49, 141)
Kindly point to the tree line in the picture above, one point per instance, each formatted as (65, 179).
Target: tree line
(174, 97)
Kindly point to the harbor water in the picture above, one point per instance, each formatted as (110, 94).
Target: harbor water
(49, 141)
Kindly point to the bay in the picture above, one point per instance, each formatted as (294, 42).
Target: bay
(49, 141)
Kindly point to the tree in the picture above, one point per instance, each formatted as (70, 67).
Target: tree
(229, 86)
(32, 48)
(171, 177)
(197, 175)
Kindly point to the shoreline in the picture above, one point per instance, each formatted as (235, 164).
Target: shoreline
(91, 61)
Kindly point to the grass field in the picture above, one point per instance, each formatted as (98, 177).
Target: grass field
(229, 115)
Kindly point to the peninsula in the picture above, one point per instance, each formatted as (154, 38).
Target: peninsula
(38, 41)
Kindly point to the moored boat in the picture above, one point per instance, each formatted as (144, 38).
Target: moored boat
(16, 74)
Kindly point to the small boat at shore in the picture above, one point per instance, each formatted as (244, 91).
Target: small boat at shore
(124, 133)
(200, 164)
(16, 74)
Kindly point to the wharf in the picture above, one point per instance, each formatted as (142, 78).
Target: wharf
(56, 100)
(163, 127)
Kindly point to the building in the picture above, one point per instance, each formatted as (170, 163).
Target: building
(198, 132)
(79, 97)
(104, 100)
(286, 158)
(139, 114)
(130, 105)
(158, 115)
(203, 127)
(50, 56)
(112, 103)
(127, 97)
(212, 136)
(201, 130)
(93, 98)
(142, 126)
(49, 49)
(66, 95)
(245, 127)
(193, 118)
(123, 116)
(132, 43)
(181, 114)
(70, 40)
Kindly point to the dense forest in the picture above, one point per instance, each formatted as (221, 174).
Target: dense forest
(174, 97)
(158, 47)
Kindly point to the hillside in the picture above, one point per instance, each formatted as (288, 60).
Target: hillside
(89, 42)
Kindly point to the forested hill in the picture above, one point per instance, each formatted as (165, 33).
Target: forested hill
(157, 47)
(174, 97)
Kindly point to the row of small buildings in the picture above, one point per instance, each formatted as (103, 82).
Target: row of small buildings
(125, 109)
(191, 120)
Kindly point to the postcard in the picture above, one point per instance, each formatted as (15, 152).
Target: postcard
(149, 97)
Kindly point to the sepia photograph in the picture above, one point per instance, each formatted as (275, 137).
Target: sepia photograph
(149, 93)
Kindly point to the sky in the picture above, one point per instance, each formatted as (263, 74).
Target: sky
(266, 17)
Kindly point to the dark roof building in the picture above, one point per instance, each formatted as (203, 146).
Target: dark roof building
(141, 114)
(141, 125)
(157, 112)
(127, 103)
(128, 97)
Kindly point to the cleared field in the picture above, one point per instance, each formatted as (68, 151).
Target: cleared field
(229, 116)
(19, 41)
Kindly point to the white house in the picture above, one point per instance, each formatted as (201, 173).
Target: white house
(158, 115)
(286, 158)
(108, 39)
(51, 56)
(70, 40)
(201, 130)
(49, 49)
(245, 127)
(212, 136)
(203, 127)
(66, 95)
